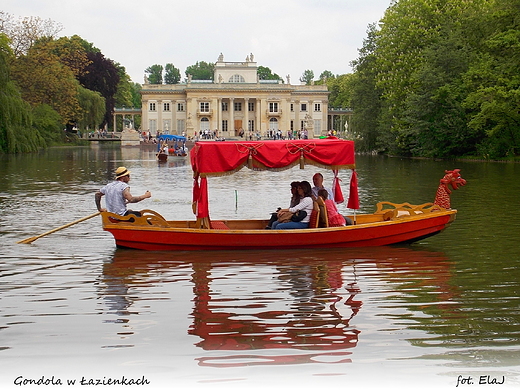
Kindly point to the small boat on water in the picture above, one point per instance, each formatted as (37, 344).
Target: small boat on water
(391, 223)
(171, 145)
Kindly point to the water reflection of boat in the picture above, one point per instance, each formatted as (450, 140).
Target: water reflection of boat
(306, 313)
(390, 224)
(162, 157)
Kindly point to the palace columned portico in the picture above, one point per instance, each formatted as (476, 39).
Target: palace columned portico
(125, 113)
(339, 120)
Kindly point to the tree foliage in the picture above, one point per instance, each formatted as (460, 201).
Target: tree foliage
(326, 74)
(307, 77)
(264, 73)
(44, 79)
(366, 100)
(24, 32)
(102, 75)
(155, 74)
(92, 109)
(201, 71)
(124, 93)
(72, 53)
(52, 82)
(441, 79)
(16, 131)
(172, 75)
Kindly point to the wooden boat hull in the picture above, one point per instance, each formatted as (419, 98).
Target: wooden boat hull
(372, 230)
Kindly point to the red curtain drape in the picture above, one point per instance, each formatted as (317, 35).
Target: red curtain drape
(336, 188)
(353, 198)
(212, 158)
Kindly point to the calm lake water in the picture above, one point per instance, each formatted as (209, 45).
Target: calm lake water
(436, 314)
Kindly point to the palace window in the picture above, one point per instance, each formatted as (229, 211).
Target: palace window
(317, 107)
(204, 123)
(225, 125)
(273, 107)
(166, 106)
(152, 124)
(224, 106)
(181, 126)
(152, 107)
(273, 124)
(204, 106)
(317, 126)
(303, 107)
(238, 106)
(180, 107)
(236, 78)
(251, 106)
(251, 125)
(292, 107)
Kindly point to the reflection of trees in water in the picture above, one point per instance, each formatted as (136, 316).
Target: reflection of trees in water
(452, 310)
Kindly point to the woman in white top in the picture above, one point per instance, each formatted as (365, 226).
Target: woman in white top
(306, 204)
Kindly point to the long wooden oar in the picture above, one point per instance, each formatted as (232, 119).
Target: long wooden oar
(31, 239)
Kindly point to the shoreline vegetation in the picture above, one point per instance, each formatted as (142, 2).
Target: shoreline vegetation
(432, 80)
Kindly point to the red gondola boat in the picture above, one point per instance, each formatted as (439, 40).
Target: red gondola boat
(390, 224)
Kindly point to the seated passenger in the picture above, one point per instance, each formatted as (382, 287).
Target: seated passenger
(295, 199)
(317, 179)
(334, 217)
(305, 204)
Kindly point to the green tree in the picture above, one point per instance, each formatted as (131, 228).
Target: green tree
(418, 59)
(102, 75)
(136, 94)
(155, 74)
(24, 32)
(434, 111)
(124, 92)
(16, 131)
(92, 109)
(340, 89)
(307, 77)
(494, 82)
(201, 70)
(326, 74)
(72, 53)
(172, 75)
(47, 123)
(43, 79)
(264, 73)
(366, 99)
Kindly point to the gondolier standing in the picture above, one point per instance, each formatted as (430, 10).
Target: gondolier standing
(118, 194)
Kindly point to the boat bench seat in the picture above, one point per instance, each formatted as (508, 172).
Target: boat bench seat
(402, 210)
(219, 225)
(323, 220)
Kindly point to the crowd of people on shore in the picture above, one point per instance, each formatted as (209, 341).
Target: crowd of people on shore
(213, 135)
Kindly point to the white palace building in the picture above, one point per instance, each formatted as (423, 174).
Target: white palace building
(235, 100)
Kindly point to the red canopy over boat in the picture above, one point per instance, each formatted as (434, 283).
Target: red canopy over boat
(214, 158)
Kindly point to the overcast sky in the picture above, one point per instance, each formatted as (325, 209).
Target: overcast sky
(287, 36)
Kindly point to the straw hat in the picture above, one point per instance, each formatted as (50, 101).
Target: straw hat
(121, 171)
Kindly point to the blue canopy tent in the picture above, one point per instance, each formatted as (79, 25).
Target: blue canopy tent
(177, 141)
